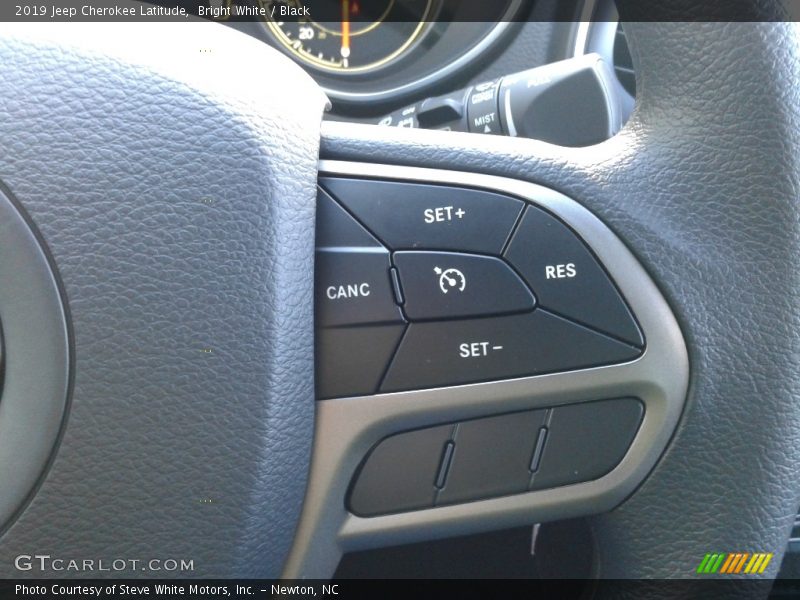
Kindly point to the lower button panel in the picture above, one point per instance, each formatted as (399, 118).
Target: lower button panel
(456, 352)
(495, 456)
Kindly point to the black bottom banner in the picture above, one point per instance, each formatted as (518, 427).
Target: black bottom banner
(260, 589)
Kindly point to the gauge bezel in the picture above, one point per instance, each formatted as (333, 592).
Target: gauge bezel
(339, 87)
(306, 59)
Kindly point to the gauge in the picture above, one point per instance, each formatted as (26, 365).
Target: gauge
(347, 36)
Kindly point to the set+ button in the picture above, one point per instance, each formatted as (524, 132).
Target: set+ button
(411, 216)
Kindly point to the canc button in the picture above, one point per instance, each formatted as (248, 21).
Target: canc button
(353, 288)
(444, 285)
(353, 285)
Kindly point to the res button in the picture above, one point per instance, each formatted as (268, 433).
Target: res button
(409, 216)
(566, 277)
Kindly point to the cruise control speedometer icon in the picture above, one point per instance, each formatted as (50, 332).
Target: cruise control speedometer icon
(450, 279)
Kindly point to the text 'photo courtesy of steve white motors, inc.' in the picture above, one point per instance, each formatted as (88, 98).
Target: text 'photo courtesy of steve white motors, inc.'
(169, 589)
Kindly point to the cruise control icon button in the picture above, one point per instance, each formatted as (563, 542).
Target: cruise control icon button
(448, 285)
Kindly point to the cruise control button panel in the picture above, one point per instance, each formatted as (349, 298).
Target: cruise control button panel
(422, 286)
(519, 364)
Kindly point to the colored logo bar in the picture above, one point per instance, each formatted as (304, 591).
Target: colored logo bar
(732, 563)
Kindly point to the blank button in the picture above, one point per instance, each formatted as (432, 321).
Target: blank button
(492, 457)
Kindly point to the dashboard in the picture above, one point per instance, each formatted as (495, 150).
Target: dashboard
(372, 58)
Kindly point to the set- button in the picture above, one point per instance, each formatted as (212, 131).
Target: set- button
(444, 353)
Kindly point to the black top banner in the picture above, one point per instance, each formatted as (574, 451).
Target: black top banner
(370, 10)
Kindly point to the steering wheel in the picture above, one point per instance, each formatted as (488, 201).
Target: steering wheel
(157, 302)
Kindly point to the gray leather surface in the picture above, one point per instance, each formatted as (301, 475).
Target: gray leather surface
(176, 194)
(702, 184)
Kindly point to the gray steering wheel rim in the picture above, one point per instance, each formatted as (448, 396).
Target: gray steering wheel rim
(176, 200)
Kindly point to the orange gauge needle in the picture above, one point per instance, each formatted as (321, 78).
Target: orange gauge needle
(345, 32)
